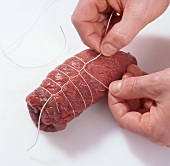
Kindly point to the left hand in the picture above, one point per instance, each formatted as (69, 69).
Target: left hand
(140, 103)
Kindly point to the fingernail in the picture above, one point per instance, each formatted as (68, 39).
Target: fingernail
(108, 49)
(116, 86)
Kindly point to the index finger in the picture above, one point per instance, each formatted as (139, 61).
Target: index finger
(85, 14)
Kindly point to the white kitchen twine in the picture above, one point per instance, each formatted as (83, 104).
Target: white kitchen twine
(33, 67)
(18, 41)
(53, 95)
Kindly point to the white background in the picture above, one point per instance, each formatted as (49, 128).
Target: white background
(30, 35)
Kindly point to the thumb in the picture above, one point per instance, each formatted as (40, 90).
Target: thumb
(123, 32)
(148, 86)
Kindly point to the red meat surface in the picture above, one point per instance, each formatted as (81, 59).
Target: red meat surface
(73, 86)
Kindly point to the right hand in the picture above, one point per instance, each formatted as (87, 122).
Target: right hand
(91, 17)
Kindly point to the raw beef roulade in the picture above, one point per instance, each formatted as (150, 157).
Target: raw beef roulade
(73, 86)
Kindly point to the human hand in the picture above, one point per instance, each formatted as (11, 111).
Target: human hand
(140, 103)
(91, 17)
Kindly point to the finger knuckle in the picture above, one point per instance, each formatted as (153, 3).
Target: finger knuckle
(102, 5)
(131, 85)
(165, 75)
(85, 41)
(73, 19)
(157, 80)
